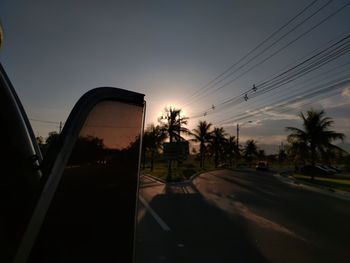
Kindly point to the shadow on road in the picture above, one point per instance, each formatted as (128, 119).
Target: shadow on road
(199, 232)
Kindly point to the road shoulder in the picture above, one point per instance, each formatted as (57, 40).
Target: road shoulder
(318, 189)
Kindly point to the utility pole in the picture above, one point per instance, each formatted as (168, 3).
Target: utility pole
(60, 129)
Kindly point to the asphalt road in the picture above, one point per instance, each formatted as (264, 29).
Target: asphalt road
(227, 216)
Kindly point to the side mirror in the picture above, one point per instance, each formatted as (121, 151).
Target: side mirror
(86, 210)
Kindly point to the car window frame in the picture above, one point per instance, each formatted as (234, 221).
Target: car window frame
(54, 162)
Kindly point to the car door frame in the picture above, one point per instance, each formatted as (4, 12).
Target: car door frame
(53, 165)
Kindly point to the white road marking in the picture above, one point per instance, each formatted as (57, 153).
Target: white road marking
(160, 221)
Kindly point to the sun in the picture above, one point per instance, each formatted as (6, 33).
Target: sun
(155, 110)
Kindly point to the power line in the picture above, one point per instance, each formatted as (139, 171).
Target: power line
(324, 75)
(301, 90)
(306, 66)
(261, 84)
(284, 47)
(304, 71)
(292, 99)
(302, 105)
(311, 53)
(321, 89)
(307, 103)
(253, 50)
(45, 121)
(282, 84)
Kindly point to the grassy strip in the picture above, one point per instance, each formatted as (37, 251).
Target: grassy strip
(340, 184)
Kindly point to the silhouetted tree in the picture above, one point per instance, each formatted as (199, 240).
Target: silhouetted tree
(217, 142)
(249, 151)
(51, 139)
(173, 124)
(231, 149)
(315, 137)
(153, 138)
(202, 135)
(87, 149)
(282, 156)
(53, 136)
(261, 154)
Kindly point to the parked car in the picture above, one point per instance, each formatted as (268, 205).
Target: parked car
(328, 168)
(314, 170)
(335, 168)
(69, 206)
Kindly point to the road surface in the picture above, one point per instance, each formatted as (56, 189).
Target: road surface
(230, 216)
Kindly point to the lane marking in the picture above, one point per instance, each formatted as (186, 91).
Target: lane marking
(160, 221)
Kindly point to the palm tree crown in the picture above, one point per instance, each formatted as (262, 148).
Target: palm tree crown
(217, 142)
(315, 137)
(202, 135)
(231, 149)
(250, 150)
(152, 141)
(173, 124)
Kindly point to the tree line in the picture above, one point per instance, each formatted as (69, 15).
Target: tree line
(311, 144)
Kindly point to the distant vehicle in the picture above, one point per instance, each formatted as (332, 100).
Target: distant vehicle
(262, 166)
(62, 208)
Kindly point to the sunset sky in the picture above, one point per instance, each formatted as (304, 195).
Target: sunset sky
(54, 51)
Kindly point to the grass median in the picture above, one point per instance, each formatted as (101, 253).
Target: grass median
(334, 183)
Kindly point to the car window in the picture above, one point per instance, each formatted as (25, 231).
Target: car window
(92, 214)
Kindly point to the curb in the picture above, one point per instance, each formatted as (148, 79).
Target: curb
(321, 190)
(192, 177)
(155, 178)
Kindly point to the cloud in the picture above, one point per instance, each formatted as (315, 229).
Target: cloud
(272, 113)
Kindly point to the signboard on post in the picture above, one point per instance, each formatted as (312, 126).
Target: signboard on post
(175, 150)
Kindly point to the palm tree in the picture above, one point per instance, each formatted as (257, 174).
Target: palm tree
(153, 138)
(249, 151)
(217, 142)
(231, 149)
(173, 124)
(315, 137)
(202, 135)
